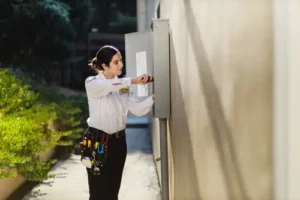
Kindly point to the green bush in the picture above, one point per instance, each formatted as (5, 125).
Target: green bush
(72, 111)
(29, 124)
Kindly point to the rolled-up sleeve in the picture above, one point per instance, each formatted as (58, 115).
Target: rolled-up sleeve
(139, 108)
(100, 87)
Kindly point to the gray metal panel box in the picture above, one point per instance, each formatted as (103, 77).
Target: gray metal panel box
(134, 43)
(156, 45)
(161, 58)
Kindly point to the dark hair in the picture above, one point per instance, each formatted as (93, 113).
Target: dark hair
(103, 56)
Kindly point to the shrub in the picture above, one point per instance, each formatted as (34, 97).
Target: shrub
(72, 111)
(30, 124)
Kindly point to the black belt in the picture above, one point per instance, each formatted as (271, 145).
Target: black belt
(116, 135)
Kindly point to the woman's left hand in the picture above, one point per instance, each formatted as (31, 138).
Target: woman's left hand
(143, 79)
(146, 78)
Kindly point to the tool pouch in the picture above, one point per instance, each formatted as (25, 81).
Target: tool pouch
(93, 150)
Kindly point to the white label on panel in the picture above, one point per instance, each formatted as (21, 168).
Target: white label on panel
(141, 68)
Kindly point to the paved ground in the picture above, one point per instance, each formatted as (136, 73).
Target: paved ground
(139, 178)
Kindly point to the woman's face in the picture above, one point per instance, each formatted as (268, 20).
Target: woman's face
(115, 65)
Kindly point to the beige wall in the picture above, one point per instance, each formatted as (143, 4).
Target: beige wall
(221, 79)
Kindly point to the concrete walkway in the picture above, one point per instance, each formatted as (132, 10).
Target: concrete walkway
(139, 177)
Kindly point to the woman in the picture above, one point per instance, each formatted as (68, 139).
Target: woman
(109, 101)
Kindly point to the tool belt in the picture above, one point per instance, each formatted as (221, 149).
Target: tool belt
(94, 148)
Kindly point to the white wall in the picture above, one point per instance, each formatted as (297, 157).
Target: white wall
(287, 98)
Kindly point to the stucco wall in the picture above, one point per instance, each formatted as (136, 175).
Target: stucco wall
(221, 78)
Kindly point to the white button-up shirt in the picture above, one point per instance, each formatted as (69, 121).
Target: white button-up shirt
(109, 102)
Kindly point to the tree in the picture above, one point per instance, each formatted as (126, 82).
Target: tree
(41, 34)
(81, 14)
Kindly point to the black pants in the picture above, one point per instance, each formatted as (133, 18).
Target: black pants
(106, 185)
